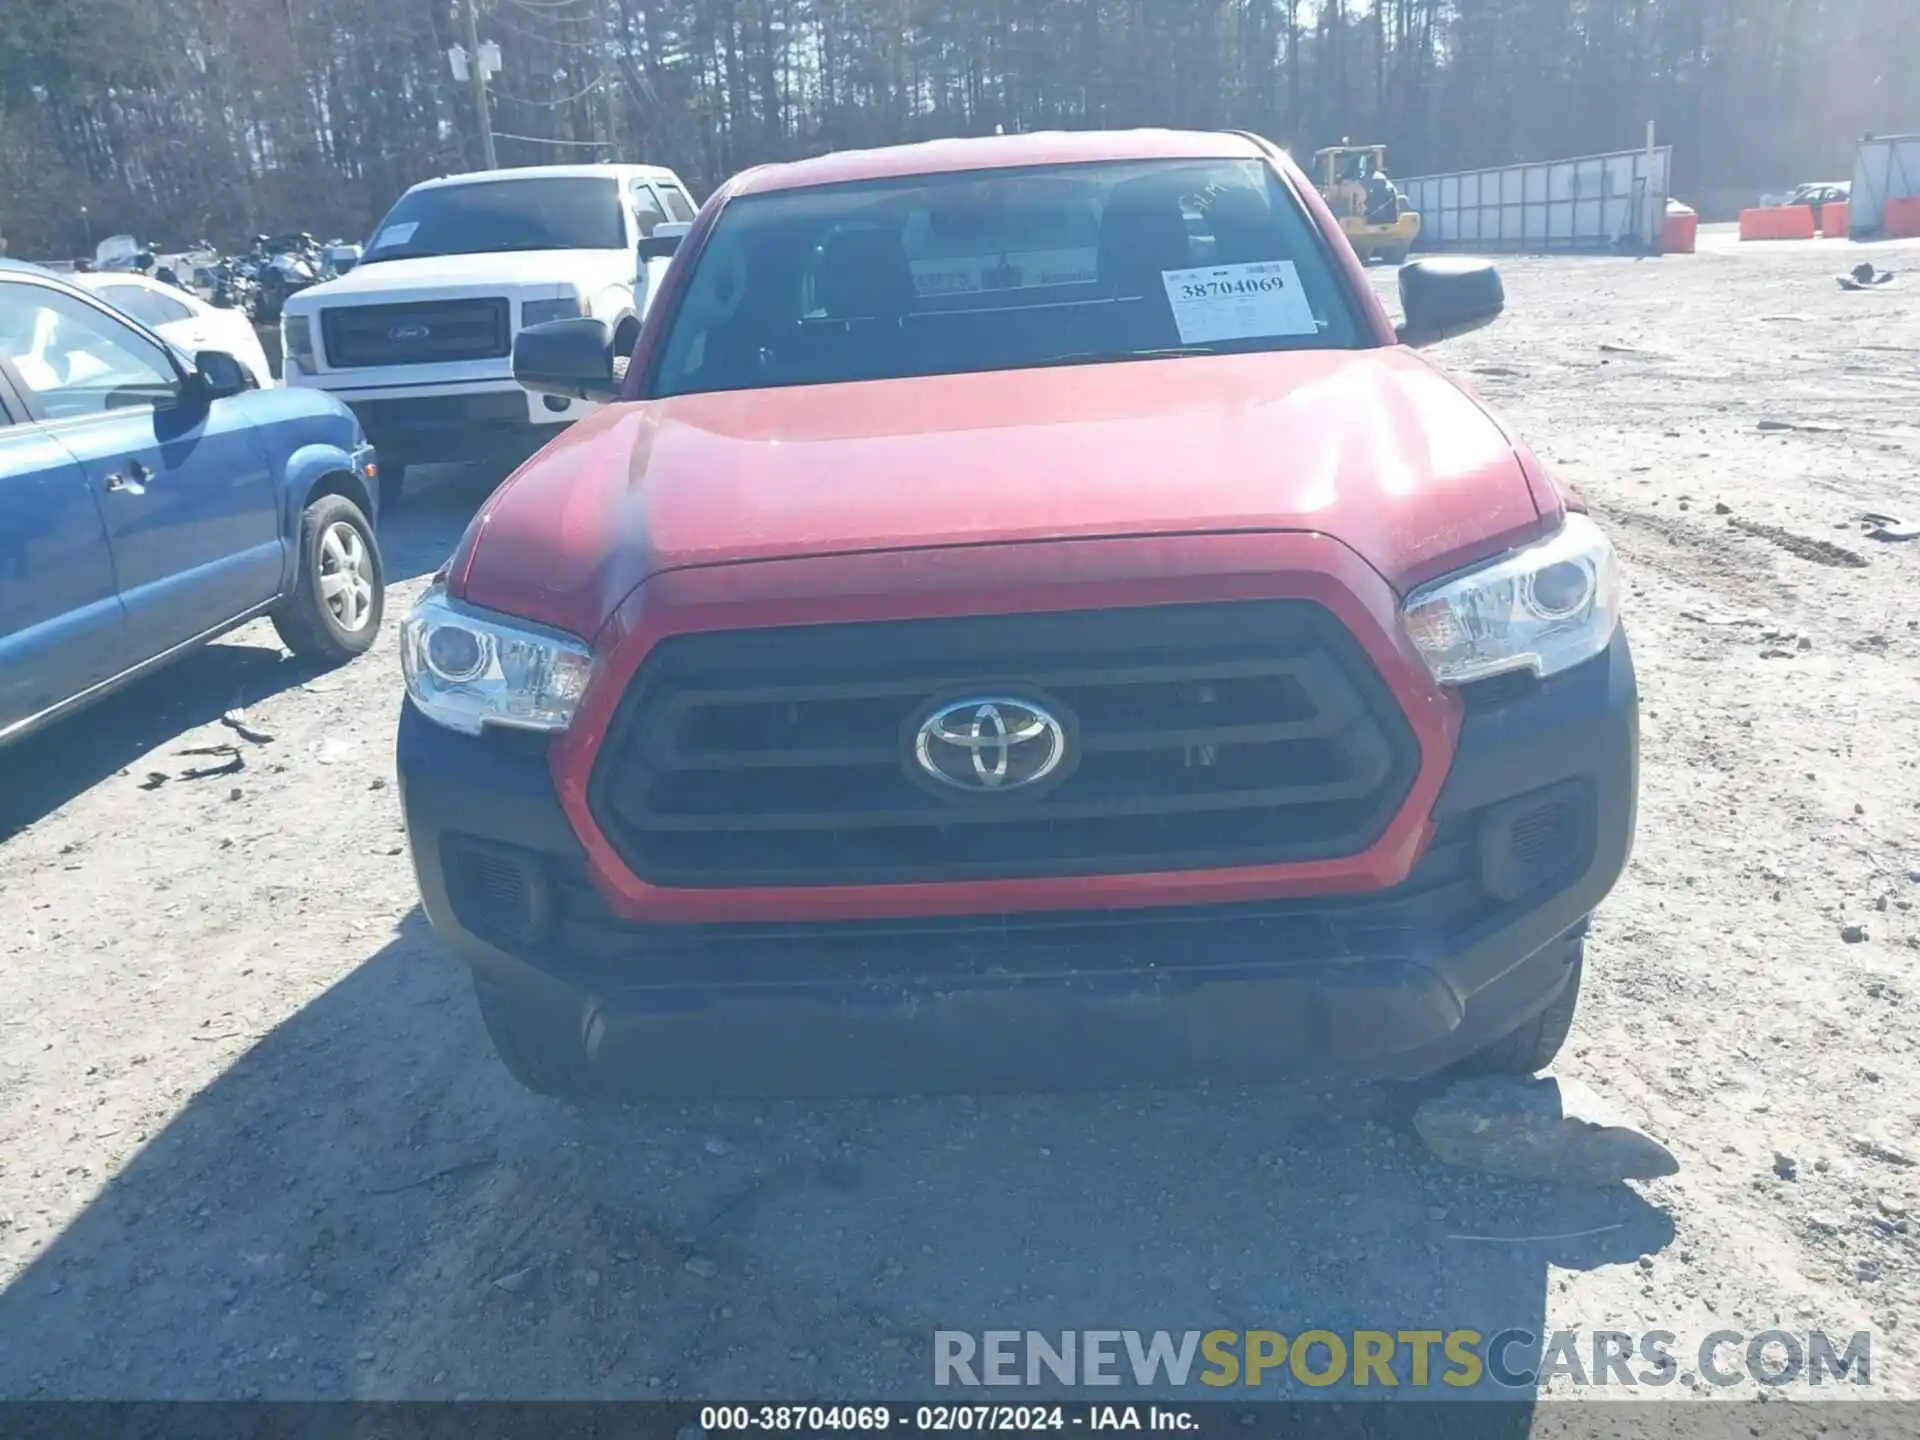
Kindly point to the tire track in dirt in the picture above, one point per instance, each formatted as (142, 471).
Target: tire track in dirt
(1694, 554)
(1820, 552)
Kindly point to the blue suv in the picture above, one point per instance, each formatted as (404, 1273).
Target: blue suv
(150, 501)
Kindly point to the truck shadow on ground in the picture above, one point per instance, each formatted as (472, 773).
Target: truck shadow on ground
(40, 774)
(43, 772)
(363, 1205)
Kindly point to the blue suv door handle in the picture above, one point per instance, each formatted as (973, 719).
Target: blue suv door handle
(134, 482)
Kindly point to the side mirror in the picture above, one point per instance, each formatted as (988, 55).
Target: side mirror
(665, 239)
(217, 375)
(566, 357)
(1442, 298)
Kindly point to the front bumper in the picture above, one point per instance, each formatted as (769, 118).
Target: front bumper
(1401, 232)
(422, 426)
(1531, 830)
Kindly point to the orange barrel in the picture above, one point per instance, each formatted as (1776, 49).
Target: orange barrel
(1679, 234)
(1784, 222)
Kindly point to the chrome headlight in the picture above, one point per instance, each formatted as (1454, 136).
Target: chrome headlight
(296, 339)
(468, 668)
(1543, 609)
(538, 312)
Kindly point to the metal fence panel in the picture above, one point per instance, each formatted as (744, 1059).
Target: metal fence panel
(1885, 168)
(1592, 202)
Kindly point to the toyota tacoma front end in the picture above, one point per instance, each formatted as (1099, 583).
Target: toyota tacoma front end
(1029, 620)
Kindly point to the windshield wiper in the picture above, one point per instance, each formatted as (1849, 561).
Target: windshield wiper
(440, 254)
(529, 245)
(1081, 357)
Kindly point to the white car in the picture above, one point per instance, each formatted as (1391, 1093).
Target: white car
(418, 337)
(184, 319)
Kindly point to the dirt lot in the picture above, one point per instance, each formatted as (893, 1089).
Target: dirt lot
(252, 1141)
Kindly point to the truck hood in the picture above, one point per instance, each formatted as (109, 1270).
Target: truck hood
(546, 269)
(1375, 448)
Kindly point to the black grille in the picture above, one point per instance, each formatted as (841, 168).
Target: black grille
(1199, 735)
(417, 333)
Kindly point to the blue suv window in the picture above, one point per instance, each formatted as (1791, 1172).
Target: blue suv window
(76, 360)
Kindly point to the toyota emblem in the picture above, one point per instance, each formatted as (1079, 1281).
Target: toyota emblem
(409, 332)
(989, 744)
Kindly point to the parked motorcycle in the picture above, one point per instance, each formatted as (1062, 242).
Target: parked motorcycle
(232, 286)
(283, 265)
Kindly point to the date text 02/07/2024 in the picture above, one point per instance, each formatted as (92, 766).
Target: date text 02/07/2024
(941, 1419)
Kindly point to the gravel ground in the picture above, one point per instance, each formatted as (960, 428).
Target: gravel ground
(253, 1143)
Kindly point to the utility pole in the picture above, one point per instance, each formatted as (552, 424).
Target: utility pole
(477, 73)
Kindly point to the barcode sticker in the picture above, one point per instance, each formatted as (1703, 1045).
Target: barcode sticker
(1239, 302)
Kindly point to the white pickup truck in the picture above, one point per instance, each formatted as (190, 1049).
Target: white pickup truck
(418, 337)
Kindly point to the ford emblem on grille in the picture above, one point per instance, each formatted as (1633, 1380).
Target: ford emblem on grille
(990, 743)
(408, 332)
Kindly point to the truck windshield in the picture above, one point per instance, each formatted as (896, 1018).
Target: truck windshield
(554, 213)
(1003, 269)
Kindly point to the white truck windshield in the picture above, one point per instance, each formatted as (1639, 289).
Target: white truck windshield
(490, 216)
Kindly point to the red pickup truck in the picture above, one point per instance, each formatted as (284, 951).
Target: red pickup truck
(1029, 619)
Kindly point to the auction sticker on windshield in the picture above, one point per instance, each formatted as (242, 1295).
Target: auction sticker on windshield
(396, 234)
(1239, 302)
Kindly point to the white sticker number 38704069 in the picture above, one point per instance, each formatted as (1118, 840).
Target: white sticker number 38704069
(1238, 302)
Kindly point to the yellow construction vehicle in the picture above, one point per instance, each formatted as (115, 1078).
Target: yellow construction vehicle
(1369, 207)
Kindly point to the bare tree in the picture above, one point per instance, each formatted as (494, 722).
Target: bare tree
(175, 119)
